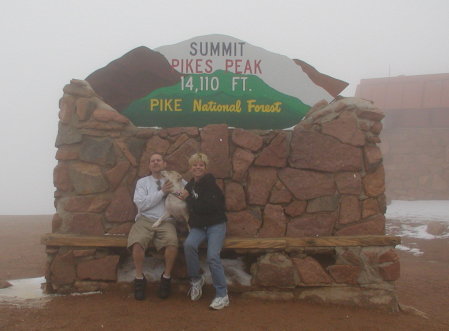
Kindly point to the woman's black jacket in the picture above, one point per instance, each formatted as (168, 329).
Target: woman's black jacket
(205, 202)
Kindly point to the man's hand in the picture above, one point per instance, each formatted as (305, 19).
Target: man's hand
(166, 188)
(183, 194)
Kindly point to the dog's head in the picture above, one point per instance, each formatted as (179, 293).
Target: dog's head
(171, 176)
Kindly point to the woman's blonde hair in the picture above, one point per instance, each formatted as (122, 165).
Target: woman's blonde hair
(198, 157)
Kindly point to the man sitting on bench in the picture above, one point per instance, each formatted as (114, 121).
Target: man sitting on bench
(149, 198)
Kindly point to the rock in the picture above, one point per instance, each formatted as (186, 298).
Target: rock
(178, 142)
(56, 223)
(62, 269)
(92, 204)
(190, 131)
(315, 151)
(214, 143)
(241, 161)
(390, 272)
(260, 183)
(275, 154)
(374, 183)
(179, 159)
(296, 208)
(374, 225)
(235, 197)
(99, 269)
(274, 222)
(61, 177)
(326, 203)
(345, 274)
(280, 194)
(349, 183)
(79, 88)
(67, 135)
(311, 272)
(345, 129)
(311, 225)
(4, 283)
(88, 224)
(436, 228)
(85, 107)
(67, 108)
(373, 156)
(370, 207)
(116, 174)
(373, 114)
(243, 224)
(349, 209)
(306, 184)
(376, 128)
(87, 178)
(273, 269)
(109, 115)
(68, 152)
(122, 208)
(97, 150)
(247, 139)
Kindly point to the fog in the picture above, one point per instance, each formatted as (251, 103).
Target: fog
(46, 43)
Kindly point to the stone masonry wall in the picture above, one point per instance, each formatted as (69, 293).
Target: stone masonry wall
(323, 178)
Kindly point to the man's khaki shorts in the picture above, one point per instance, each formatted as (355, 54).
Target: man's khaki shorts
(143, 233)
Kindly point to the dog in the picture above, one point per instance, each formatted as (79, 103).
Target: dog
(174, 206)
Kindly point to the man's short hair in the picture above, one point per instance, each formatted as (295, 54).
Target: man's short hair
(199, 157)
(157, 153)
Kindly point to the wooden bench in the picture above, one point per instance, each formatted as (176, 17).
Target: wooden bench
(73, 240)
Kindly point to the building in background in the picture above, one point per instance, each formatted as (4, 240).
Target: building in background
(415, 138)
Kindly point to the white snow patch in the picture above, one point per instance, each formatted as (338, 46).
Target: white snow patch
(28, 288)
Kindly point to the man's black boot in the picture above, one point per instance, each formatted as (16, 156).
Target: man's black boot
(139, 288)
(164, 287)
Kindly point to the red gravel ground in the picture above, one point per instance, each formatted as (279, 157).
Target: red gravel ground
(424, 285)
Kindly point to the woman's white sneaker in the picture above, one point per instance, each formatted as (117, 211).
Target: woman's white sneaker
(220, 303)
(196, 289)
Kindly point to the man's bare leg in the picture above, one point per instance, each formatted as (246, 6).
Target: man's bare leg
(170, 257)
(138, 258)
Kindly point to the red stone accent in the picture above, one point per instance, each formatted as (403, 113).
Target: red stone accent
(274, 269)
(61, 178)
(275, 154)
(370, 207)
(243, 224)
(326, 203)
(388, 257)
(68, 152)
(85, 108)
(179, 159)
(311, 225)
(241, 161)
(56, 223)
(247, 139)
(374, 183)
(373, 114)
(349, 209)
(121, 208)
(274, 222)
(99, 269)
(116, 174)
(260, 183)
(90, 224)
(191, 131)
(86, 204)
(312, 150)
(109, 115)
(373, 156)
(391, 271)
(311, 272)
(376, 128)
(214, 143)
(349, 183)
(374, 225)
(62, 269)
(125, 150)
(280, 194)
(345, 274)
(87, 178)
(345, 129)
(178, 142)
(235, 197)
(67, 106)
(307, 185)
(352, 258)
(296, 208)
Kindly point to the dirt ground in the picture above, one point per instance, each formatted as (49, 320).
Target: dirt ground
(424, 285)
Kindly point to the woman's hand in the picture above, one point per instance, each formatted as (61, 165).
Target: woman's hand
(183, 194)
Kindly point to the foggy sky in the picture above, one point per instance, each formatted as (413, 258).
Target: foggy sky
(46, 43)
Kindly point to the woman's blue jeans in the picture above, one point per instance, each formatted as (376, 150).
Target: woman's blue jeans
(215, 235)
